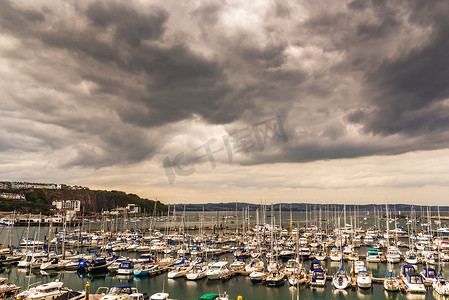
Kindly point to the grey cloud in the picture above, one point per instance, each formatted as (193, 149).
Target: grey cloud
(130, 24)
(143, 76)
(412, 87)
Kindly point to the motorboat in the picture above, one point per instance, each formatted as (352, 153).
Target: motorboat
(177, 272)
(318, 277)
(8, 289)
(126, 268)
(393, 255)
(138, 296)
(119, 292)
(196, 272)
(276, 278)
(405, 270)
(218, 270)
(414, 283)
(113, 267)
(223, 296)
(237, 265)
(160, 296)
(314, 265)
(94, 266)
(257, 276)
(45, 291)
(359, 265)
(144, 269)
(364, 280)
(373, 256)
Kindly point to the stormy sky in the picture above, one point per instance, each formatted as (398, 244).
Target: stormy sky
(210, 101)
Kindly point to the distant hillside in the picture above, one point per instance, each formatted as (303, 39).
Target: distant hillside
(232, 206)
(92, 201)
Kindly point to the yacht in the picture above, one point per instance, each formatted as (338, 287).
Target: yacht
(119, 292)
(304, 253)
(364, 280)
(358, 266)
(47, 291)
(297, 277)
(125, 268)
(218, 270)
(372, 256)
(318, 277)
(414, 283)
(257, 276)
(160, 296)
(144, 269)
(321, 255)
(177, 272)
(238, 264)
(276, 278)
(411, 258)
(393, 255)
(196, 272)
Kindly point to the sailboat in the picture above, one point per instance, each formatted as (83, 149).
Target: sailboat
(341, 279)
(391, 282)
(441, 284)
(393, 254)
(297, 274)
(276, 276)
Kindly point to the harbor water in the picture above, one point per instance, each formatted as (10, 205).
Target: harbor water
(183, 289)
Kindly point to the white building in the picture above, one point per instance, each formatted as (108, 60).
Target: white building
(133, 208)
(74, 205)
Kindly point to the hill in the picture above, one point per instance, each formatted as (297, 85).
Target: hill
(92, 201)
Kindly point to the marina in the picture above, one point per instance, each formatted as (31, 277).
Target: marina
(222, 257)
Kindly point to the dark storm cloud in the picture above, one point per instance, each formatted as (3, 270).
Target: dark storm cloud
(116, 78)
(413, 87)
(130, 25)
(174, 82)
